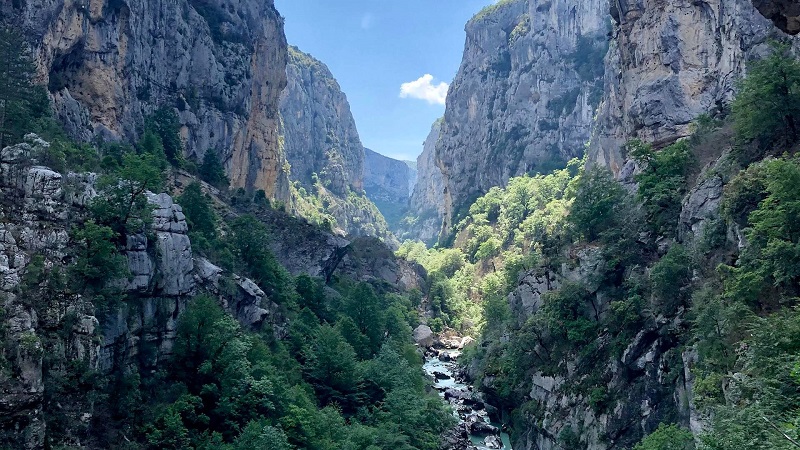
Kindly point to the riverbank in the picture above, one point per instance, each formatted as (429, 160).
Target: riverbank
(479, 425)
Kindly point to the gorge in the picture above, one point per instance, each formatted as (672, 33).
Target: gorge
(597, 247)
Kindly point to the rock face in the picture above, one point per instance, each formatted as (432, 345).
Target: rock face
(38, 209)
(524, 97)
(426, 206)
(324, 151)
(785, 14)
(220, 64)
(669, 63)
(386, 180)
(387, 183)
(319, 132)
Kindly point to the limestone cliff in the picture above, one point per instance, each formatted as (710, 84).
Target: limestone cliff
(668, 63)
(426, 206)
(525, 95)
(40, 209)
(386, 179)
(220, 64)
(325, 153)
(386, 182)
(320, 135)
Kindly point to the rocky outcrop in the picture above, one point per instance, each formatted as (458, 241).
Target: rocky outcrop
(221, 65)
(668, 63)
(38, 211)
(785, 14)
(426, 206)
(524, 97)
(386, 180)
(646, 387)
(526, 299)
(320, 135)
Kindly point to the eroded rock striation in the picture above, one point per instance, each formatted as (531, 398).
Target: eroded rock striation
(524, 97)
(669, 63)
(221, 65)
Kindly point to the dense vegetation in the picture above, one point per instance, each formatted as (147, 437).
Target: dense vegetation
(618, 262)
(339, 372)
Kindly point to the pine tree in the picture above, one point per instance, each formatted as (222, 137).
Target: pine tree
(16, 73)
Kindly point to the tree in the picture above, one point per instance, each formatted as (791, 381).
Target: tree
(662, 182)
(257, 435)
(670, 277)
(330, 363)
(767, 108)
(122, 204)
(769, 267)
(200, 216)
(165, 124)
(97, 263)
(250, 240)
(366, 310)
(212, 170)
(597, 204)
(20, 101)
(667, 437)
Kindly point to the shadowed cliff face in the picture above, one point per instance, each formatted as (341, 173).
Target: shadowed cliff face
(221, 65)
(669, 63)
(426, 206)
(785, 14)
(524, 97)
(319, 131)
(386, 179)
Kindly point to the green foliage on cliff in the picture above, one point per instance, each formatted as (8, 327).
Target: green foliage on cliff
(662, 182)
(766, 111)
(667, 437)
(608, 272)
(22, 104)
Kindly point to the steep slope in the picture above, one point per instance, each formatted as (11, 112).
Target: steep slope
(669, 63)
(609, 321)
(324, 152)
(426, 206)
(41, 209)
(220, 64)
(524, 97)
(320, 135)
(63, 343)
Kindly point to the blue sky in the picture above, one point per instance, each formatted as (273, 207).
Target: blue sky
(373, 48)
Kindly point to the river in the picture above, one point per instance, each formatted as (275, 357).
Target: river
(468, 406)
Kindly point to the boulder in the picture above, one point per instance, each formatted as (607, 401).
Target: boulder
(493, 442)
(423, 336)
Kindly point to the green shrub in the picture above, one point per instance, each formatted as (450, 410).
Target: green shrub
(662, 182)
(767, 109)
(670, 278)
(667, 437)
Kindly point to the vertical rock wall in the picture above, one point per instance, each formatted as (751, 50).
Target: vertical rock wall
(524, 97)
(108, 63)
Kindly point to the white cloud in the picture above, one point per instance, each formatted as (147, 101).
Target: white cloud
(367, 20)
(424, 88)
